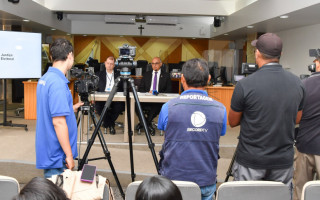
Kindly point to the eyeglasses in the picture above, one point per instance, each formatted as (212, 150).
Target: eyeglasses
(157, 63)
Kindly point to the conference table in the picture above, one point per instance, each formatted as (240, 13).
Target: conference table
(143, 97)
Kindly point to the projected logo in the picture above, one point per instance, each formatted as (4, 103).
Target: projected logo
(198, 119)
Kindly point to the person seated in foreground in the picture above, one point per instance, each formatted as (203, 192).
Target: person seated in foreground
(158, 188)
(41, 188)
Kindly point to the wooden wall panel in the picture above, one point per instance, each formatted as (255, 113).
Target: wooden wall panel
(175, 56)
(105, 53)
(170, 50)
(199, 45)
(80, 42)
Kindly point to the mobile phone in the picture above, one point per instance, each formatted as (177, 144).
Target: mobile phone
(88, 173)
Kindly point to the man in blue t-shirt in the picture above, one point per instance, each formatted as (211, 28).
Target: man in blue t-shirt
(193, 124)
(56, 129)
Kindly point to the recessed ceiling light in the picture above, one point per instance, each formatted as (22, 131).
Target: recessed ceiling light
(193, 38)
(84, 35)
(53, 29)
(68, 34)
(226, 34)
(250, 26)
(284, 16)
(26, 20)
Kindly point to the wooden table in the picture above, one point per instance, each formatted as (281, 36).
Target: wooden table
(143, 97)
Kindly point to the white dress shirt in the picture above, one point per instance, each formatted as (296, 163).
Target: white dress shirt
(158, 77)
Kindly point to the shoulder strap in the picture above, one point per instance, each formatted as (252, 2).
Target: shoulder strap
(59, 180)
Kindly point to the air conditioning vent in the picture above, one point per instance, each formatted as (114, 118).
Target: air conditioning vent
(120, 19)
(161, 20)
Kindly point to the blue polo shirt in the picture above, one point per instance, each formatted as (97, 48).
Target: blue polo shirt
(163, 116)
(53, 99)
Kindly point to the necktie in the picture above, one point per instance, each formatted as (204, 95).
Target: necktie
(155, 81)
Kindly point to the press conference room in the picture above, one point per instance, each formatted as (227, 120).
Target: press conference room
(217, 31)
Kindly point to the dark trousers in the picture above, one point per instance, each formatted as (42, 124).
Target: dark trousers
(151, 110)
(115, 109)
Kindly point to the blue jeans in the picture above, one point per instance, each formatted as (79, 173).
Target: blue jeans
(207, 192)
(55, 171)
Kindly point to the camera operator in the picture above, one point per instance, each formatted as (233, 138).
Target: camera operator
(308, 138)
(106, 83)
(267, 104)
(56, 129)
(193, 124)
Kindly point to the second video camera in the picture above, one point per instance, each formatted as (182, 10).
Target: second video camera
(313, 53)
(88, 81)
(126, 56)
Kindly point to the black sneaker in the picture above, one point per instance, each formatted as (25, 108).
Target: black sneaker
(112, 130)
(152, 130)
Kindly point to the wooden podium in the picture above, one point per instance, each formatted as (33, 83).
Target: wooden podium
(30, 99)
(221, 94)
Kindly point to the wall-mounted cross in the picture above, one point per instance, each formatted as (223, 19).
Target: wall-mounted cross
(141, 28)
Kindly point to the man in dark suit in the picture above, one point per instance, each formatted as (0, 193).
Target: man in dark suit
(106, 82)
(157, 81)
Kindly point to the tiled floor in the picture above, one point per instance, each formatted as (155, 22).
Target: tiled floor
(17, 149)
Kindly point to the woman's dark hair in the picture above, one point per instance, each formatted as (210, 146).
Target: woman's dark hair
(196, 72)
(60, 49)
(158, 188)
(39, 189)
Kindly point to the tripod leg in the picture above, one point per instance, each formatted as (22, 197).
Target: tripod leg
(94, 134)
(107, 154)
(80, 135)
(229, 172)
(96, 131)
(129, 128)
(143, 120)
(5, 122)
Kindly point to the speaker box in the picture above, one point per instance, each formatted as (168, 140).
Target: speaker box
(16, 28)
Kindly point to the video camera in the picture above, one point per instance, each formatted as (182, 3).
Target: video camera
(126, 56)
(87, 83)
(248, 68)
(313, 53)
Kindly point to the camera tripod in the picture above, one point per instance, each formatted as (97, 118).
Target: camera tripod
(229, 172)
(125, 77)
(88, 109)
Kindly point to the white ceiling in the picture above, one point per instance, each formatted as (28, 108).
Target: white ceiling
(195, 17)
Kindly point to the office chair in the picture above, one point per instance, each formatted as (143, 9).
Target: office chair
(9, 187)
(311, 190)
(252, 190)
(189, 190)
(143, 65)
